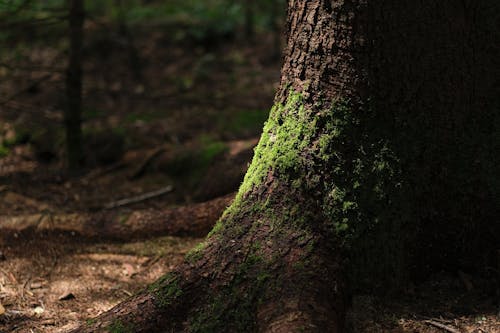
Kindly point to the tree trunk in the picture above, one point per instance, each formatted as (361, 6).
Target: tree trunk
(133, 53)
(356, 163)
(73, 107)
(249, 24)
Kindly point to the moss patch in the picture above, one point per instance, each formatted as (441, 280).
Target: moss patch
(285, 134)
(233, 307)
(196, 253)
(166, 290)
(119, 327)
(337, 158)
(4, 151)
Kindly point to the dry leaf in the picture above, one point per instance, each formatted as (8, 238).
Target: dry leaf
(2, 309)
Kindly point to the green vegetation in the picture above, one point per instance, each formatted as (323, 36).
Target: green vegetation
(40, 27)
(166, 289)
(196, 252)
(353, 195)
(235, 303)
(144, 116)
(294, 141)
(190, 19)
(280, 143)
(119, 327)
(194, 19)
(244, 122)
(4, 151)
(90, 321)
(193, 162)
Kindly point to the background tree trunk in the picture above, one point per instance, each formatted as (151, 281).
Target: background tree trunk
(73, 108)
(249, 24)
(371, 148)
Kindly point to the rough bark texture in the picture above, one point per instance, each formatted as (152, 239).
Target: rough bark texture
(359, 155)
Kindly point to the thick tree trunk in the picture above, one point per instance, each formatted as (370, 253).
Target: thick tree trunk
(357, 159)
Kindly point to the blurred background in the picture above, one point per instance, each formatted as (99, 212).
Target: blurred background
(111, 99)
(140, 114)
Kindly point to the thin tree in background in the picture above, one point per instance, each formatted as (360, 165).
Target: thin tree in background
(73, 107)
(126, 34)
(249, 23)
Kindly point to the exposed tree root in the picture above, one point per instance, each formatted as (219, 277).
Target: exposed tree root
(255, 272)
(193, 220)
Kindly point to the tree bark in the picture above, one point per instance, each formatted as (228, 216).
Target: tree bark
(356, 163)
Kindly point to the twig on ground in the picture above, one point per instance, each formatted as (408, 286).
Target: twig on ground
(9, 275)
(139, 171)
(442, 326)
(140, 198)
(101, 172)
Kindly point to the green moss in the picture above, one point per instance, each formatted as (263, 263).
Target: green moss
(144, 116)
(210, 148)
(263, 276)
(119, 327)
(123, 218)
(335, 157)
(191, 164)
(196, 253)
(4, 151)
(166, 289)
(90, 321)
(233, 307)
(244, 122)
(216, 229)
(284, 136)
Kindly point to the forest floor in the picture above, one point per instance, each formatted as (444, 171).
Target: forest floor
(186, 128)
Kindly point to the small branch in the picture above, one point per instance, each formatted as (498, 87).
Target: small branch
(442, 326)
(140, 198)
(144, 165)
(101, 172)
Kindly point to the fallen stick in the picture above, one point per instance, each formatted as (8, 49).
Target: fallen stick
(139, 198)
(442, 326)
(139, 171)
(101, 172)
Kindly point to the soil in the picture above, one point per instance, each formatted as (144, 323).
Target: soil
(191, 102)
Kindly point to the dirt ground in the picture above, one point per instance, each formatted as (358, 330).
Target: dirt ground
(194, 119)
(55, 282)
